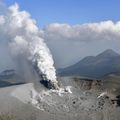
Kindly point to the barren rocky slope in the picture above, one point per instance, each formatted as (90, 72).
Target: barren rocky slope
(84, 103)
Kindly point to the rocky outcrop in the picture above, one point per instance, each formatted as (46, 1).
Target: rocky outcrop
(88, 84)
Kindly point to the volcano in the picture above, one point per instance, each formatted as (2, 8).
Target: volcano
(95, 66)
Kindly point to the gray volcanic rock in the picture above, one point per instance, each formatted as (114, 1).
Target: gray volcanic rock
(82, 104)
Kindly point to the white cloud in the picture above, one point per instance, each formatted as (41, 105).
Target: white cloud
(106, 30)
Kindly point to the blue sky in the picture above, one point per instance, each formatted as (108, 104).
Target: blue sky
(70, 11)
(66, 45)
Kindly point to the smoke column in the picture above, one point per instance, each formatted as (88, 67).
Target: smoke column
(21, 36)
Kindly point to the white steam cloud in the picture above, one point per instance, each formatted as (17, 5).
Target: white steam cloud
(20, 35)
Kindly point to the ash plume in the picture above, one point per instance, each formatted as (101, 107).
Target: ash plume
(21, 36)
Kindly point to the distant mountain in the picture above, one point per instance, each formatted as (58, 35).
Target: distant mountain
(7, 74)
(95, 66)
(10, 77)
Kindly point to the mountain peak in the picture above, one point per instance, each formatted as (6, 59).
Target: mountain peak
(98, 66)
(108, 53)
